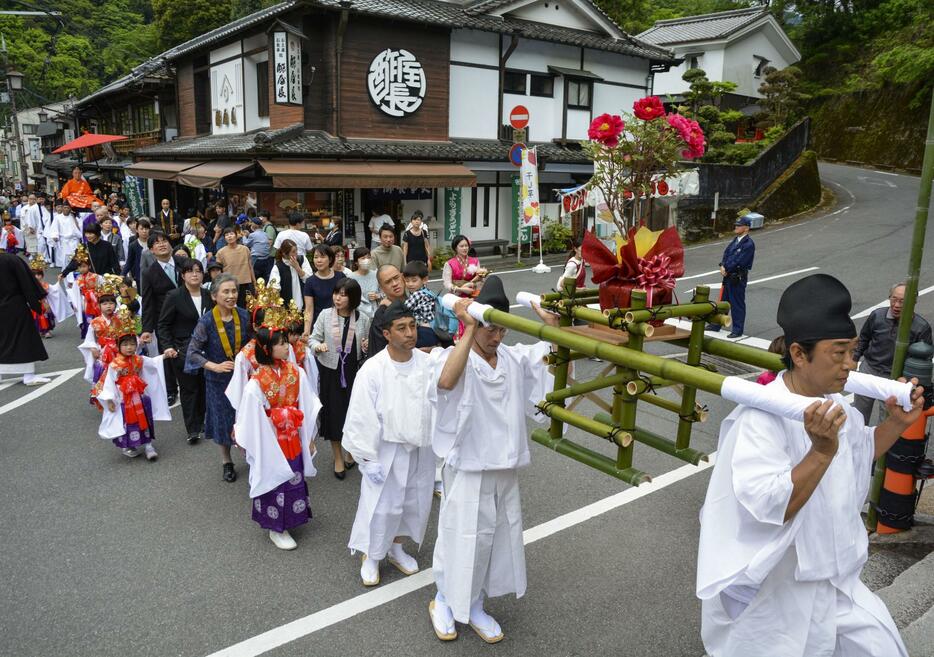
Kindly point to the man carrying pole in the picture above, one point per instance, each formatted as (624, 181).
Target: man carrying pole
(484, 391)
(782, 542)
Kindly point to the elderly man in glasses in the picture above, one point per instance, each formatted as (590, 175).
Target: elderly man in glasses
(876, 345)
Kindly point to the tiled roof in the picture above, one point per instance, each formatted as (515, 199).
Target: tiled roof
(701, 28)
(314, 144)
(434, 12)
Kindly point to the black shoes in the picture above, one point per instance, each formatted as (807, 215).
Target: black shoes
(340, 475)
(230, 475)
(351, 465)
(172, 398)
(734, 335)
(193, 438)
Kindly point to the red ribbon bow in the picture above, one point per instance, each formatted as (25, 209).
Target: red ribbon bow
(91, 307)
(655, 271)
(11, 240)
(287, 420)
(131, 388)
(108, 351)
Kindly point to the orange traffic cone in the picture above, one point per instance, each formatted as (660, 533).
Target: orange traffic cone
(896, 508)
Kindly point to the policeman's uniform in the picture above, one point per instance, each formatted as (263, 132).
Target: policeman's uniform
(737, 261)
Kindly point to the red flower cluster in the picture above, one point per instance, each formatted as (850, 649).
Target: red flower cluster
(606, 129)
(690, 132)
(648, 108)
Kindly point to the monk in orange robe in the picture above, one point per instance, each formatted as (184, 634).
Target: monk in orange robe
(77, 192)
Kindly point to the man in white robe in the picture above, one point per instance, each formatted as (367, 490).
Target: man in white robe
(66, 233)
(388, 432)
(782, 542)
(484, 392)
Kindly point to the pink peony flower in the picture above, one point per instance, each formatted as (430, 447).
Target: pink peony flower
(690, 133)
(606, 129)
(648, 108)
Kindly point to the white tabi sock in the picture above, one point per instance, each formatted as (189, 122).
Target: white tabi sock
(486, 623)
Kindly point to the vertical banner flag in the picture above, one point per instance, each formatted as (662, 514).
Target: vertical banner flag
(528, 175)
(520, 233)
(135, 195)
(452, 213)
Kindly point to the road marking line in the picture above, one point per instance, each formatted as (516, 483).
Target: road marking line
(302, 627)
(717, 286)
(883, 304)
(6, 385)
(706, 273)
(40, 390)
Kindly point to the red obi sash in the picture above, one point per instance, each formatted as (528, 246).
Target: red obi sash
(87, 283)
(131, 388)
(281, 391)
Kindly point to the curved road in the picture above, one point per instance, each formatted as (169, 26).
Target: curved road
(104, 556)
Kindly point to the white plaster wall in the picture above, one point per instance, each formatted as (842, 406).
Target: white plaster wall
(711, 61)
(578, 122)
(616, 68)
(252, 119)
(561, 13)
(542, 123)
(225, 52)
(473, 103)
(538, 55)
(740, 63)
(609, 99)
(230, 71)
(256, 41)
(475, 47)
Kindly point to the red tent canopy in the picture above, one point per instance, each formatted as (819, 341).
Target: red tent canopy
(87, 140)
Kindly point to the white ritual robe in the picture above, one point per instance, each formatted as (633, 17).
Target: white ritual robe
(788, 589)
(112, 424)
(257, 436)
(87, 349)
(66, 231)
(388, 421)
(59, 304)
(310, 365)
(481, 434)
(242, 372)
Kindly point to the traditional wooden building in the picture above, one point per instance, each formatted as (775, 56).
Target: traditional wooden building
(395, 105)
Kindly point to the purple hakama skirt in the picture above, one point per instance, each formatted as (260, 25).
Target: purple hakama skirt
(287, 505)
(135, 437)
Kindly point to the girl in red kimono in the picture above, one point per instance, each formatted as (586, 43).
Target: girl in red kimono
(45, 320)
(99, 346)
(131, 393)
(275, 426)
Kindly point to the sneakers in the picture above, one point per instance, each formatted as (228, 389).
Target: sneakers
(151, 453)
(442, 620)
(483, 624)
(130, 453)
(369, 571)
(404, 562)
(282, 540)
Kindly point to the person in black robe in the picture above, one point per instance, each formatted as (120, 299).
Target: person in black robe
(22, 345)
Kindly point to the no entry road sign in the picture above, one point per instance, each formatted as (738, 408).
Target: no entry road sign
(519, 117)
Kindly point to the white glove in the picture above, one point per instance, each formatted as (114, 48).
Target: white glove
(373, 471)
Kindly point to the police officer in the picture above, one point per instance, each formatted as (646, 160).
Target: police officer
(735, 266)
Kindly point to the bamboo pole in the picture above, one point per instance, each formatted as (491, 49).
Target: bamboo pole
(624, 404)
(626, 357)
(698, 415)
(589, 457)
(739, 352)
(911, 294)
(609, 433)
(689, 394)
(562, 365)
(660, 443)
(683, 310)
(560, 394)
(580, 293)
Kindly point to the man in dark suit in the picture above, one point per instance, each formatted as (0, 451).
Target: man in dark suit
(182, 309)
(162, 276)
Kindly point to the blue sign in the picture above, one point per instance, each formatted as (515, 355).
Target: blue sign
(515, 154)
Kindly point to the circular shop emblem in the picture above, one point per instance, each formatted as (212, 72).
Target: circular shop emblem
(396, 82)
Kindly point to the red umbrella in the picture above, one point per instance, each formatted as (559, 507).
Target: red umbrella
(87, 140)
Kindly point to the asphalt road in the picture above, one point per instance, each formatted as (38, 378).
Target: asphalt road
(101, 555)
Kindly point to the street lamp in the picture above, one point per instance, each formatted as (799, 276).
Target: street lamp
(14, 80)
(43, 116)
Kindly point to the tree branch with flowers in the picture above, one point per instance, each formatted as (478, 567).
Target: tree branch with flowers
(628, 151)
